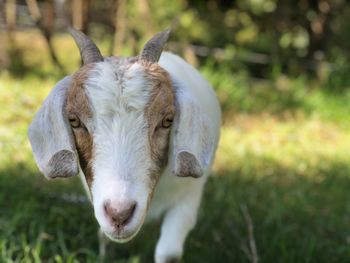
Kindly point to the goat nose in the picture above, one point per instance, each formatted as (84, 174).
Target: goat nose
(121, 215)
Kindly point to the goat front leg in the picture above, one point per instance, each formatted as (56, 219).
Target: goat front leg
(103, 241)
(177, 223)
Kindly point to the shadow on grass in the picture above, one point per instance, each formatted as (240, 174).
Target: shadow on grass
(296, 219)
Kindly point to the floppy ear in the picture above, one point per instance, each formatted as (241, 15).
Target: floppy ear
(193, 145)
(51, 137)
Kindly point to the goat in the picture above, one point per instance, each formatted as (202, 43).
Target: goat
(140, 131)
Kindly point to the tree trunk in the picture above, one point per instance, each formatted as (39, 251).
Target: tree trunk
(80, 15)
(10, 18)
(4, 61)
(119, 27)
(146, 16)
(46, 26)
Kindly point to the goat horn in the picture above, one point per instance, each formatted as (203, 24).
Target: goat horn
(154, 47)
(89, 52)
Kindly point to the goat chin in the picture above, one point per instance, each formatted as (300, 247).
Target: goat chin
(123, 239)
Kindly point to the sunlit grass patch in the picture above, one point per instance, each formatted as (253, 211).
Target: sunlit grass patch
(20, 98)
(296, 144)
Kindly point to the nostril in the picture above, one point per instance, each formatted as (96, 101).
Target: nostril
(120, 216)
(125, 215)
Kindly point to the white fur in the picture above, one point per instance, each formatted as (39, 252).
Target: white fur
(118, 96)
(180, 197)
(120, 138)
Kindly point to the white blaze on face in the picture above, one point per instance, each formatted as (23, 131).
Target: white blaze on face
(121, 154)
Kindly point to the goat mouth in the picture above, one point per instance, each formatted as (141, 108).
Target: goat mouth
(120, 237)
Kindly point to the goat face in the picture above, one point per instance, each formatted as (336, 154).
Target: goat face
(121, 112)
(113, 119)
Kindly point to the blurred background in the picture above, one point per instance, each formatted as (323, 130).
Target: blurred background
(280, 185)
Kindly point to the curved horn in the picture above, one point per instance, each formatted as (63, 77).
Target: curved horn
(154, 47)
(88, 50)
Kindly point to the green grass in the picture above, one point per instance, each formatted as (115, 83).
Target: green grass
(281, 95)
(296, 219)
(283, 159)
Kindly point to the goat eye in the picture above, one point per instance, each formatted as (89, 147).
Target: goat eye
(74, 121)
(167, 121)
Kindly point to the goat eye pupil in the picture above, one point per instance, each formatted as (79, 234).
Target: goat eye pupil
(74, 121)
(167, 122)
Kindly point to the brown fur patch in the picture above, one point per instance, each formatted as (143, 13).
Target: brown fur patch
(160, 106)
(79, 105)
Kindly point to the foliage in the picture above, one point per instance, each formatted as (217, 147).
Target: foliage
(298, 38)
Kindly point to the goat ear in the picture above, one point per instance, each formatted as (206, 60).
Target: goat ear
(193, 144)
(51, 137)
